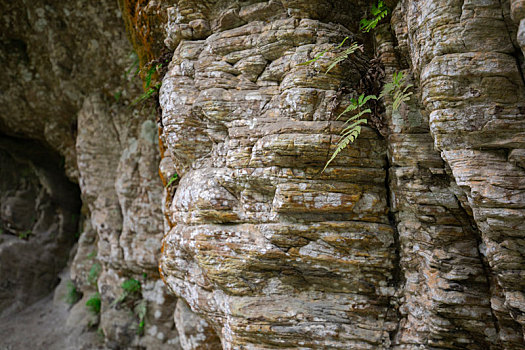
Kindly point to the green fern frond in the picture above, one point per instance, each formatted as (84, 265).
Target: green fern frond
(398, 90)
(319, 55)
(351, 107)
(366, 99)
(358, 115)
(350, 128)
(387, 90)
(344, 55)
(172, 179)
(378, 12)
(351, 132)
(340, 146)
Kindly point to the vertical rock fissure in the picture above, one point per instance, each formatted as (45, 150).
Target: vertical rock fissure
(397, 273)
(518, 53)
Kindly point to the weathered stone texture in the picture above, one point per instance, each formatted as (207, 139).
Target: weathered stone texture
(411, 239)
(259, 241)
(38, 222)
(262, 244)
(471, 89)
(64, 83)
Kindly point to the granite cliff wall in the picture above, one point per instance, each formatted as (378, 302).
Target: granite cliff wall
(411, 239)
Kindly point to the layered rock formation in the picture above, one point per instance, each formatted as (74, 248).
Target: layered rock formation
(411, 239)
(276, 254)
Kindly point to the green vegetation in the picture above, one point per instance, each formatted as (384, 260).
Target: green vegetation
(94, 303)
(378, 12)
(72, 295)
(131, 286)
(131, 294)
(352, 131)
(318, 56)
(150, 90)
(25, 235)
(140, 310)
(397, 89)
(173, 178)
(93, 274)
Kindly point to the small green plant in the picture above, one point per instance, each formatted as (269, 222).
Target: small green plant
(173, 178)
(352, 130)
(319, 55)
(94, 303)
(378, 12)
(72, 295)
(140, 310)
(25, 235)
(93, 274)
(150, 90)
(131, 291)
(131, 286)
(92, 255)
(398, 89)
(344, 55)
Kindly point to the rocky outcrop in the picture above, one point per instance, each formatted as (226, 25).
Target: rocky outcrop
(68, 81)
(411, 239)
(471, 89)
(405, 241)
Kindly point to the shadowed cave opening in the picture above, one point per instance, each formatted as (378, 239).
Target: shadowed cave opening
(39, 222)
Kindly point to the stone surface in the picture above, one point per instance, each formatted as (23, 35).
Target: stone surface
(68, 81)
(472, 91)
(411, 239)
(39, 212)
(259, 240)
(271, 252)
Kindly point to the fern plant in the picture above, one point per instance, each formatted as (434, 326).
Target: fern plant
(398, 89)
(319, 55)
(344, 55)
(150, 90)
(130, 288)
(378, 12)
(353, 124)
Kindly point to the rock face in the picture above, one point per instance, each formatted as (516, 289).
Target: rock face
(406, 241)
(68, 81)
(39, 210)
(413, 238)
